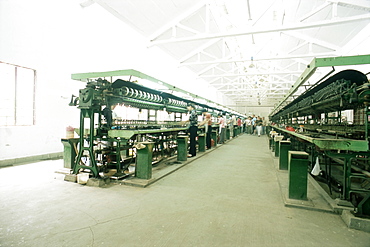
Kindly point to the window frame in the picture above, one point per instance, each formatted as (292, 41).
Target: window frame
(14, 107)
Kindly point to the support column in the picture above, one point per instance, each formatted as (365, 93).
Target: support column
(182, 148)
(298, 165)
(283, 156)
(202, 142)
(144, 154)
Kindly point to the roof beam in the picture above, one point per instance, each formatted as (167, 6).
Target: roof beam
(87, 3)
(208, 54)
(177, 20)
(297, 26)
(198, 50)
(249, 90)
(279, 80)
(313, 41)
(353, 4)
(186, 28)
(271, 85)
(112, 11)
(356, 41)
(207, 69)
(252, 74)
(227, 60)
(297, 47)
(313, 12)
(245, 86)
(270, 91)
(239, 99)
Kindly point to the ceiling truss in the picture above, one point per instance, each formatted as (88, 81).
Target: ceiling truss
(257, 58)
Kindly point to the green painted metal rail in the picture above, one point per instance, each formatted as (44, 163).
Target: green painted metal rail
(138, 74)
(331, 144)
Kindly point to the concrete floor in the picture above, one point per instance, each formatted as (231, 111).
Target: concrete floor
(228, 197)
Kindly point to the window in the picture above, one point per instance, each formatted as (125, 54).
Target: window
(17, 95)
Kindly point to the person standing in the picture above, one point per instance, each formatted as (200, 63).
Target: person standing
(248, 123)
(222, 125)
(240, 130)
(193, 129)
(259, 126)
(207, 122)
(254, 124)
(264, 125)
(244, 124)
(228, 126)
(233, 125)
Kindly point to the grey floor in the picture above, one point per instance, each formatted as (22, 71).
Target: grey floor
(228, 197)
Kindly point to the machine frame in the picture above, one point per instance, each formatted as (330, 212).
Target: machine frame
(343, 148)
(106, 141)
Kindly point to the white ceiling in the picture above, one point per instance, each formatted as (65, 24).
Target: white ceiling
(252, 51)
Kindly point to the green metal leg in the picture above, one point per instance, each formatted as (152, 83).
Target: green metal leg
(364, 206)
(298, 165)
(214, 137)
(182, 148)
(144, 161)
(90, 149)
(283, 157)
(272, 145)
(118, 156)
(271, 141)
(277, 148)
(202, 142)
(69, 153)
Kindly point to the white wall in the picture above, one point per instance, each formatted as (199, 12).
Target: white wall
(58, 38)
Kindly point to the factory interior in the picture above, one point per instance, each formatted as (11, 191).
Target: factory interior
(185, 123)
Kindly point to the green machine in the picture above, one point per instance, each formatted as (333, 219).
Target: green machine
(330, 122)
(110, 142)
